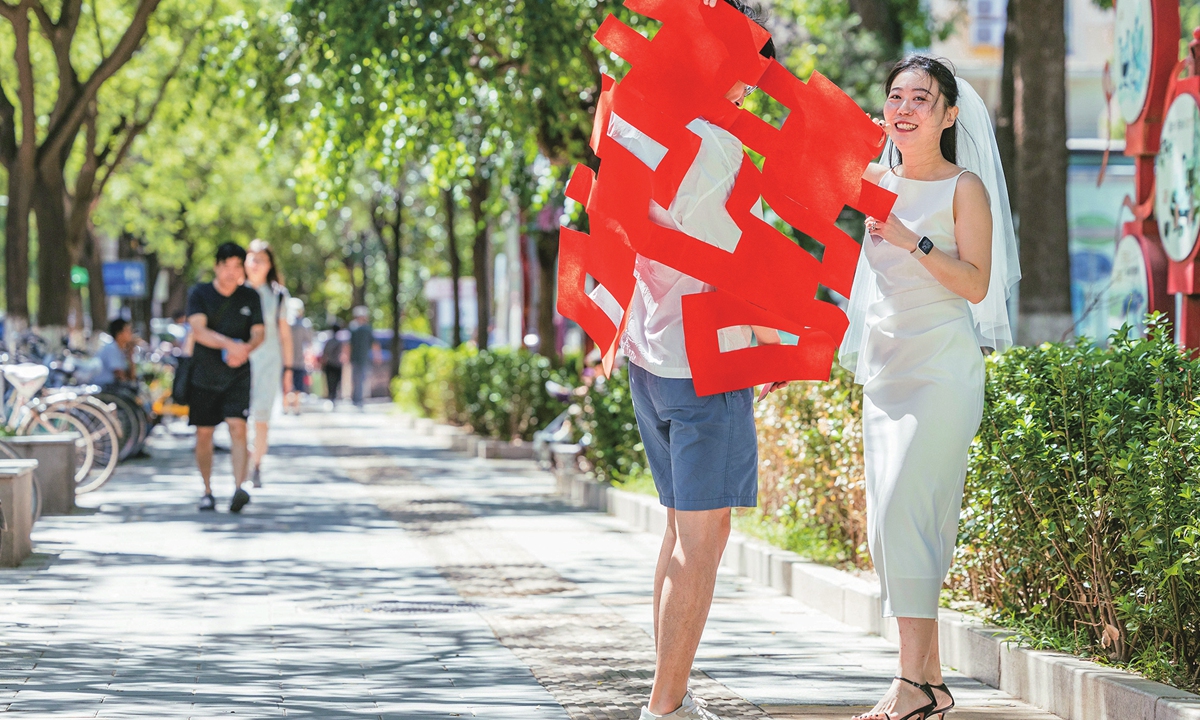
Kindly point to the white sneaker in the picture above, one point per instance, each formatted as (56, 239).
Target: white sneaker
(692, 709)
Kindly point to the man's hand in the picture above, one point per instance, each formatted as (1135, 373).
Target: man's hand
(772, 387)
(237, 355)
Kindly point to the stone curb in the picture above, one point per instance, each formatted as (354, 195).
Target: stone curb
(1062, 684)
(461, 440)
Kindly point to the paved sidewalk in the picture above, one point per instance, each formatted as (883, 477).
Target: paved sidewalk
(379, 575)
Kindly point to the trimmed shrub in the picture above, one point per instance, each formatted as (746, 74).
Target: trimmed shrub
(613, 444)
(503, 392)
(1081, 522)
(427, 384)
(810, 470)
(499, 393)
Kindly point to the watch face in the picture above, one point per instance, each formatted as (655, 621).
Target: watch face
(1134, 42)
(925, 245)
(1129, 292)
(1177, 178)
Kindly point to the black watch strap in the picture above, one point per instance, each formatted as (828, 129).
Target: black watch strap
(925, 245)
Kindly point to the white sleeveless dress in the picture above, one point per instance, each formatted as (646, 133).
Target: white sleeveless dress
(922, 403)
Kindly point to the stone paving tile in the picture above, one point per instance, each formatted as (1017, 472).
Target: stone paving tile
(377, 575)
(139, 606)
(767, 649)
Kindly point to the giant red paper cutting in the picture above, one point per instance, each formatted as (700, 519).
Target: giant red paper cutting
(812, 168)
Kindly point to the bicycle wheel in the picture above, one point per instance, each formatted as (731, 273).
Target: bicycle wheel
(35, 498)
(125, 418)
(97, 417)
(54, 422)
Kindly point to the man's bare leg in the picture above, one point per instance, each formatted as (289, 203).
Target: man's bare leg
(237, 449)
(660, 572)
(204, 453)
(685, 598)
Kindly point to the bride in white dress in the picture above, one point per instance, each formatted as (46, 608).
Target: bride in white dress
(929, 295)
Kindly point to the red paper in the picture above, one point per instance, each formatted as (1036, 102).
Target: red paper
(812, 168)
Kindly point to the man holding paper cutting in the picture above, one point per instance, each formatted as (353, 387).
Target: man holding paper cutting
(702, 451)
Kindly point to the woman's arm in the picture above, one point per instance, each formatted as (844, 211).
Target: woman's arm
(970, 273)
(288, 352)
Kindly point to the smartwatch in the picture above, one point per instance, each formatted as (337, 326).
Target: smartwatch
(925, 245)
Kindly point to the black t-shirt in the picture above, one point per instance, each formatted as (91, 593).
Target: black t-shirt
(232, 316)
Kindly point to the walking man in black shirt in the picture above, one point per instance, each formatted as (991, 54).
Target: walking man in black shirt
(227, 323)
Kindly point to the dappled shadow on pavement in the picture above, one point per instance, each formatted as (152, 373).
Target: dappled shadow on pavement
(310, 603)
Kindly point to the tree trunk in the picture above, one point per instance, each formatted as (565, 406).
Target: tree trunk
(455, 262)
(1005, 135)
(394, 258)
(1040, 130)
(482, 259)
(877, 17)
(547, 254)
(21, 162)
(54, 253)
(16, 247)
(97, 297)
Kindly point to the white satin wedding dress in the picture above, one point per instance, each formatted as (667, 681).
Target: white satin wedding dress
(922, 375)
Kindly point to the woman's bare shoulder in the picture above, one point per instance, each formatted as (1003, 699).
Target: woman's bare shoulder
(875, 172)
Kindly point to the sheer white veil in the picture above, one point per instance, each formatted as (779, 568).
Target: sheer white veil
(978, 153)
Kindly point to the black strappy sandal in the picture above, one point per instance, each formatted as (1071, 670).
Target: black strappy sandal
(921, 713)
(939, 713)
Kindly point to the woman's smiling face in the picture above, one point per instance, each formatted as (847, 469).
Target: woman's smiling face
(916, 111)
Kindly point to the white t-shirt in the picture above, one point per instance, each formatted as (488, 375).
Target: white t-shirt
(653, 337)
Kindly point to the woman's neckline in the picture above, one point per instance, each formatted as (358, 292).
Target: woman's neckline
(955, 176)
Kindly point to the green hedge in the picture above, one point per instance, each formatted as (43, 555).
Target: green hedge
(1081, 522)
(498, 393)
(612, 443)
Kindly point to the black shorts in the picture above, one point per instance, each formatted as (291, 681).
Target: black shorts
(299, 380)
(209, 408)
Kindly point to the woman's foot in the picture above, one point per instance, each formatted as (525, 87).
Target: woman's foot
(256, 477)
(941, 696)
(904, 700)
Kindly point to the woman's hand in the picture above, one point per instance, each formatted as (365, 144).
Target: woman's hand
(894, 232)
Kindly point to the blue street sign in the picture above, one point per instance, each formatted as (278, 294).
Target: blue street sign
(125, 278)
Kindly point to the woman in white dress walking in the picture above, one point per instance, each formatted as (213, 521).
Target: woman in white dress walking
(267, 371)
(929, 300)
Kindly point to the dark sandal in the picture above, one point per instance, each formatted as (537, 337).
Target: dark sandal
(921, 713)
(940, 712)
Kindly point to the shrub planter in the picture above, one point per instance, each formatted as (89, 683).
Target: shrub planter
(16, 494)
(490, 449)
(55, 474)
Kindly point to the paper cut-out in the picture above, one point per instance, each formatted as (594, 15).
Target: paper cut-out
(812, 168)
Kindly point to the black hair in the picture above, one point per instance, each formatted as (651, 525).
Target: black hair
(768, 50)
(228, 250)
(942, 73)
(273, 275)
(116, 325)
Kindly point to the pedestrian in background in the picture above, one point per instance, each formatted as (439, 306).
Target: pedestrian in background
(227, 324)
(302, 335)
(363, 351)
(267, 365)
(331, 363)
(114, 357)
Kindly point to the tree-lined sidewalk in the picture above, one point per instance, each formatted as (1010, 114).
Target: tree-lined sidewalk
(377, 574)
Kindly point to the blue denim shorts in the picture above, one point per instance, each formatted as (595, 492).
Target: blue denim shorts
(703, 451)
